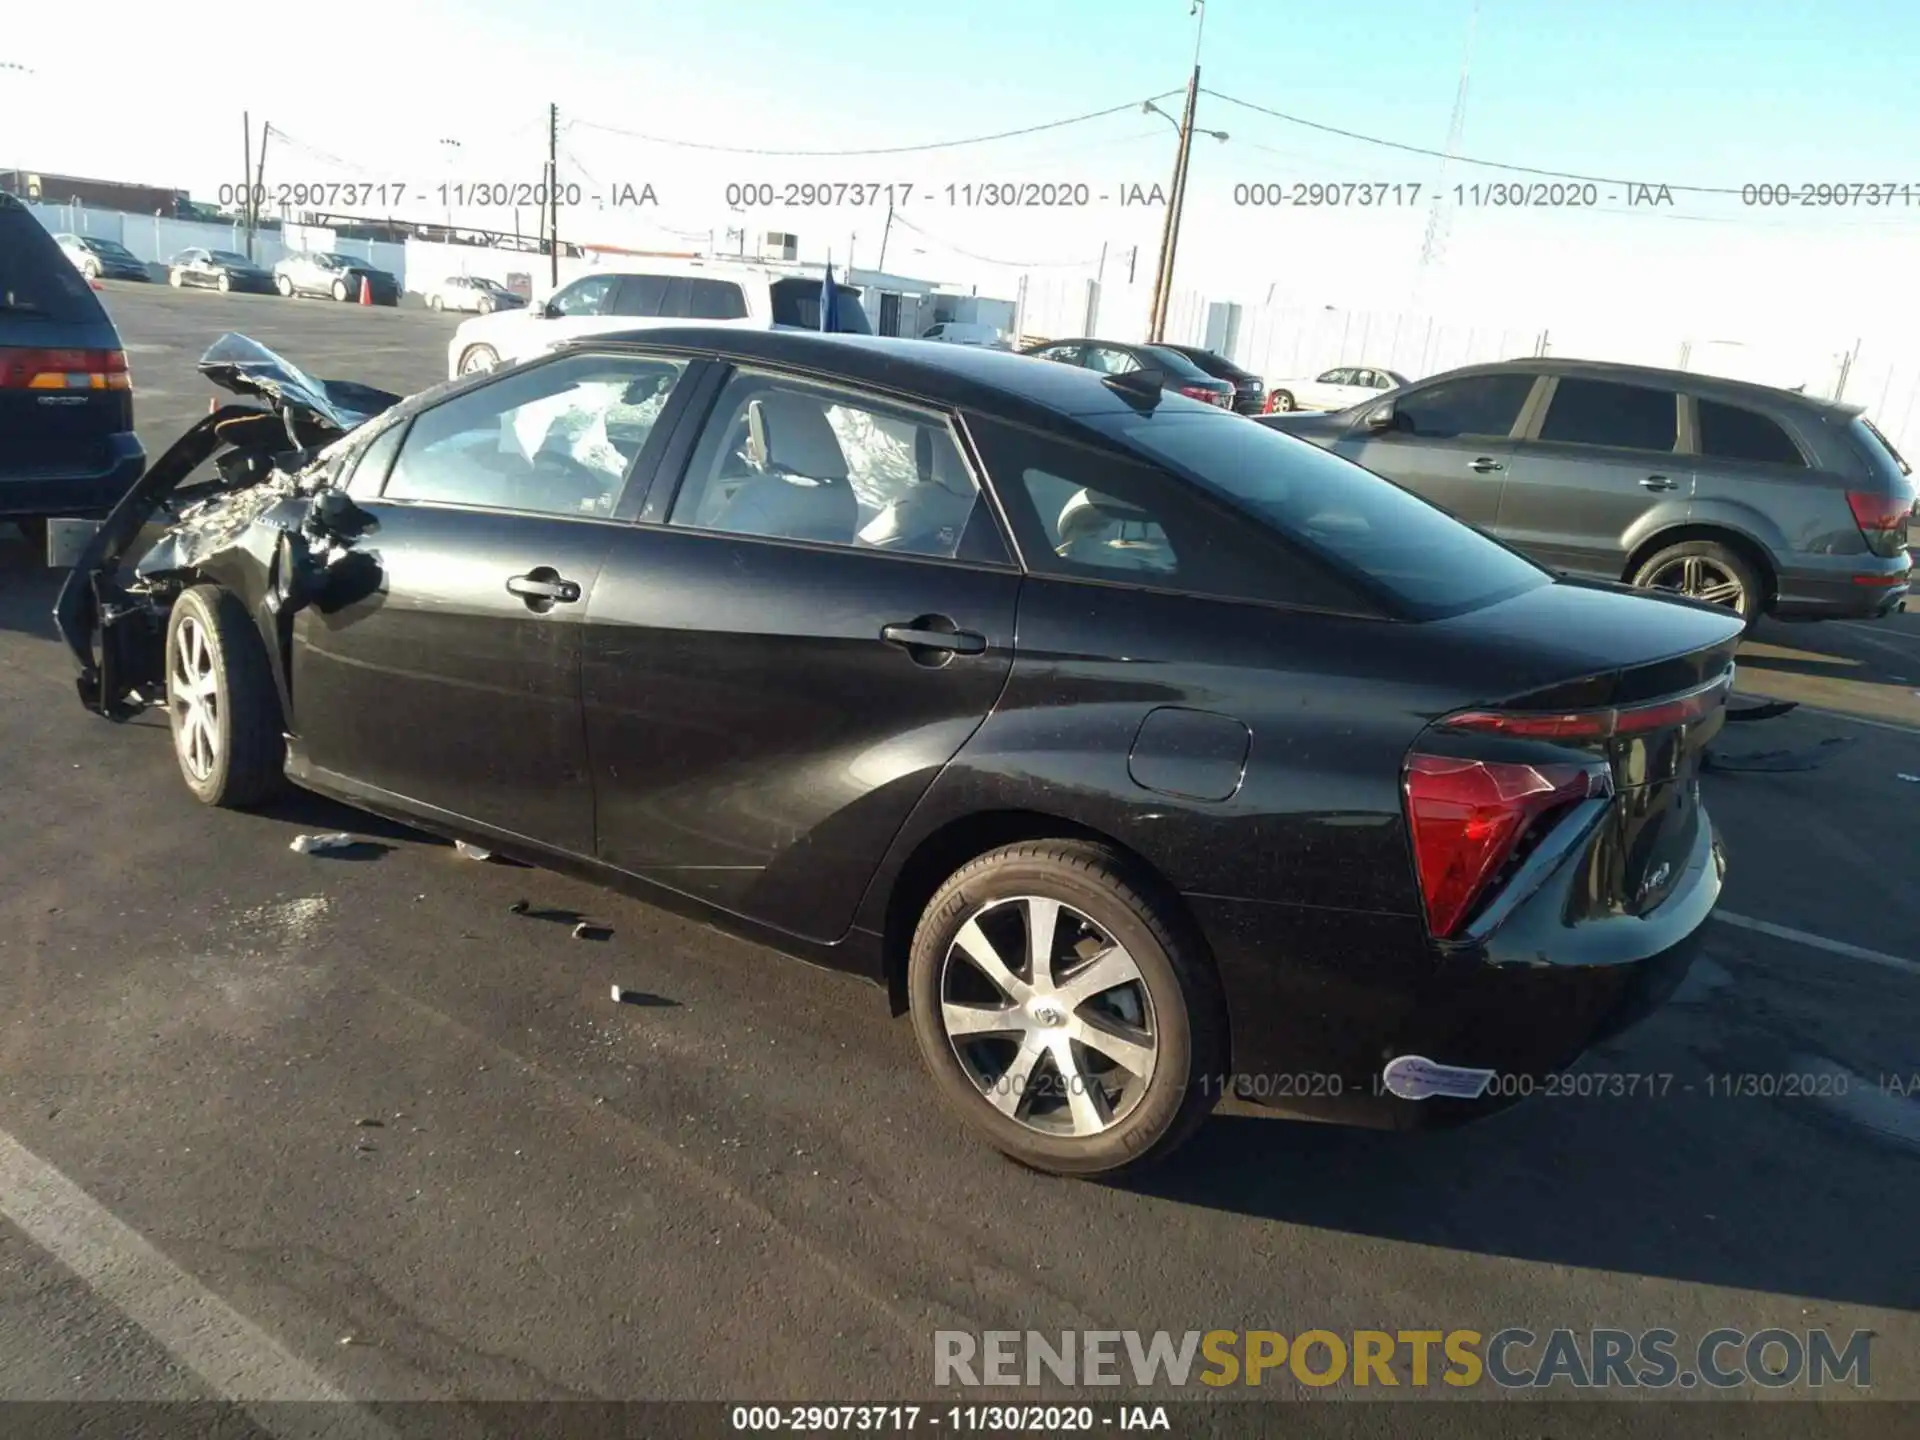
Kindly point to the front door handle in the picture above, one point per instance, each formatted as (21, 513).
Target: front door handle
(1657, 482)
(933, 639)
(1485, 465)
(542, 587)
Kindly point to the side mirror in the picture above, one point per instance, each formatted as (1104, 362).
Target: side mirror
(1380, 417)
(540, 309)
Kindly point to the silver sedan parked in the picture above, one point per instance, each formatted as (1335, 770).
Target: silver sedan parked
(480, 294)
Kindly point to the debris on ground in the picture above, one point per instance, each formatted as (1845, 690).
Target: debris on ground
(472, 852)
(369, 1123)
(587, 930)
(1771, 710)
(320, 844)
(519, 907)
(1910, 779)
(1774, 762)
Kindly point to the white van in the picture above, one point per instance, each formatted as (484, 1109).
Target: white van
(632, 295)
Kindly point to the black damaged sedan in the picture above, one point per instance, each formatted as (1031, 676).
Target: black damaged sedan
(1139, 752)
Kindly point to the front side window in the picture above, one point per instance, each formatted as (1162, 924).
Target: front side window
(789, 461)
(1728, 432)
(585, 297)
(1604, 412)
(554, 440)
(1471, 405)
(1109, 360)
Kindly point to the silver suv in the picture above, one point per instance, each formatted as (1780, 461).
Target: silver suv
(1765, 501)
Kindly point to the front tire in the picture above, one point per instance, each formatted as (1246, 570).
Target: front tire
(340, 290)
(173, 279)
(91, 269)
(1706, 570)
(225, 283)
(1283, 402)
(222, 707)
(434, 303)
(1064, 1009)
(477, 358)
(284, 286)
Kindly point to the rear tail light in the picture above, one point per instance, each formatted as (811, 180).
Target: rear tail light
(1596, 724)
(22, 369)
(1882, 520)
(1470, 818)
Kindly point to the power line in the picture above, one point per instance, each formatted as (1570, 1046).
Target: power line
(905, 223)
(873, 150)
(1462, 159)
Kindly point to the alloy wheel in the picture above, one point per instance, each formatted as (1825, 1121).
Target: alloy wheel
(1049, 1016)
(193, 697)
(1701, 577)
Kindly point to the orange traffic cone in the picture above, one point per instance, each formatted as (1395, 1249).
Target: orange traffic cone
(366, 291)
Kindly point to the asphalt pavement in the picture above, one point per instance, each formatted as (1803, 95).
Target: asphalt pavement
(278, 1126)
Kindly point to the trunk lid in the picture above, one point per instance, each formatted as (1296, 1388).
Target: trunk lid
(1639, 694)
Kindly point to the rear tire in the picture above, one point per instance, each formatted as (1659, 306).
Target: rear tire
(340, 290)
(284, 286)
(1128, 1003)
(1283, 402)
(222, 707)
(434, 303)
(1706, 570)
(478, 357)
(225, 283)
(173, 278)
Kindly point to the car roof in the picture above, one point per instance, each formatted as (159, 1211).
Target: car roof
(957, 376)
(681, 265)
(1711, 387)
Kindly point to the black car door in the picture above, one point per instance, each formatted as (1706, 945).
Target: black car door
(786, 650)
(453, 682)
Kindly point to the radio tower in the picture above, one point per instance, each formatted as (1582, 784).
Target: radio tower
(1433, 248)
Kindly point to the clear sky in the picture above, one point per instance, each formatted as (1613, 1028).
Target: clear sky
(1709, 93)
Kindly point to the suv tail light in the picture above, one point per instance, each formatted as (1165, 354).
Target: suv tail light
(22, 369)
(1471, 818)
(1882, 520)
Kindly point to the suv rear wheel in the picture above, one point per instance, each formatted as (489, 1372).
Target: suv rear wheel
(1706, 570)
(1064, 1011)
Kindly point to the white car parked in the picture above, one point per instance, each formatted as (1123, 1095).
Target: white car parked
(962, 332)
(1332, 389)
(636, 295)
(480, 294)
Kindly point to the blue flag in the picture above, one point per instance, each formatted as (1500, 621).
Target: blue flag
(829, 302)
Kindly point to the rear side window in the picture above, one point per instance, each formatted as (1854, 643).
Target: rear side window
(1088, 514)
(1873, 441)
(1728, 432)
(36, 280)
(1471, 405)
(698, 298)
(1364, 528)
(641, 295)
(1603, 412)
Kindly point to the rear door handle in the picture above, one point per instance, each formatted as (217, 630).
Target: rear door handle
(543, 583)
(1485, 465)
(1657, 482)
(920, 635)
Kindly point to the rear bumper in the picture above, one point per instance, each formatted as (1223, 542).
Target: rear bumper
(1311, 1039)
(82, 496)
(1844, 587)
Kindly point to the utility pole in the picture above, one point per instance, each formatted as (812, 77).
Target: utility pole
(553, 191)
(886, 232)
(258, 194)
(246, 177)
(1170, 226)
